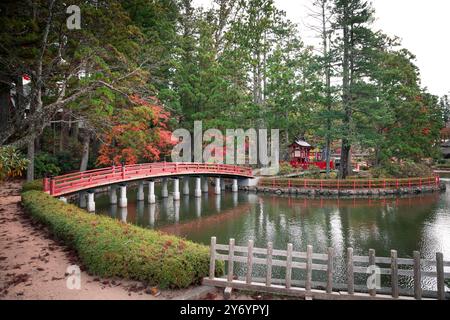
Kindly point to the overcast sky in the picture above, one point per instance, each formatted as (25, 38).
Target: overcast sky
(423, 25)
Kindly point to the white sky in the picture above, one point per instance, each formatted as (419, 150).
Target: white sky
(423, 26)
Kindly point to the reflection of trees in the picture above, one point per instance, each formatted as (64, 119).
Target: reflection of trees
(184, 229)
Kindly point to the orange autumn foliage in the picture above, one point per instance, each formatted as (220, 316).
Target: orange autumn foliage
(139, 134)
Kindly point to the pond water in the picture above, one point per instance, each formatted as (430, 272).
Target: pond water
(406, 224)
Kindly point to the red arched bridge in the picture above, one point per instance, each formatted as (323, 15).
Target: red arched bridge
(91, 179)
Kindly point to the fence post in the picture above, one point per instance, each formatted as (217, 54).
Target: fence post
(396, 183)
(373, 291)
(350, 280)
(309, 252)
(330, 270)
(370, 184)
(289, 183)
(230, 260)
(440, 276)
(417, 276)
(384, 184)
(288, 265)
(394, 274)
(212, 262)
(249, 262)
(269, 264)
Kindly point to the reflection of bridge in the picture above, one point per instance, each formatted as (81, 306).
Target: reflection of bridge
(88, 181)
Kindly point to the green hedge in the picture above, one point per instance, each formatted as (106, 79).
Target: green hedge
(110, 248)
(33, 185)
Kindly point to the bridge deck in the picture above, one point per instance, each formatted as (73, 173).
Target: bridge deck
(78, 181)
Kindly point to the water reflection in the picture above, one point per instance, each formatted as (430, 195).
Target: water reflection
(152, 213)
(405, 224)
(198, 207)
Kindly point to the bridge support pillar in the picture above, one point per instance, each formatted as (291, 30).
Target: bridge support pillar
(205, 185)
(198, 188)
(123, 201)
(113, 194)
(186, 186)
(164, 189)
(140, 194)
(91, 201)
(63, 199)
(82, 199)
(222, 184)
(151, 192)
(234, 188)
(217, 187)
(176, 189)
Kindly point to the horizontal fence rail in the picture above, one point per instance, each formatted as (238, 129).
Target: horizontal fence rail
(73, 182)
(350, 184)
(309, 261)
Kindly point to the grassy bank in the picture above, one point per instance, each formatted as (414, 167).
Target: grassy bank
(110, 248)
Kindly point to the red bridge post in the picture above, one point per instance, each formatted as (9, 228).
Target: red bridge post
(46, 184)
(52, 186)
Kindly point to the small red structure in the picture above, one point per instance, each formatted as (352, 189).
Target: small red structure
(303, 155)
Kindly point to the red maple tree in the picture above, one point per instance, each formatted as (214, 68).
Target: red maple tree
(139, 134)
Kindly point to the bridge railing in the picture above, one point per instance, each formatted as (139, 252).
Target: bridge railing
(351, 184)
(73, 182)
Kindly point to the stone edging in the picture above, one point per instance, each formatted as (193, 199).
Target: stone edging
(345, 192)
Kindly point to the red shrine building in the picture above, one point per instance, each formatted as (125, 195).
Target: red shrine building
(303, 155)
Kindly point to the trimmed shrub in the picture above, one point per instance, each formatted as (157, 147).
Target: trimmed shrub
(110, 248)
(33, 185)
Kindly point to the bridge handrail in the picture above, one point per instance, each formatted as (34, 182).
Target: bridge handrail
(73, 182)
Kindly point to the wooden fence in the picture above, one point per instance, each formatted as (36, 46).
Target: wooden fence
(309, 261)
(349, 184)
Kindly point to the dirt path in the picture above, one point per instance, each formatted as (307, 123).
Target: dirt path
(34, 266)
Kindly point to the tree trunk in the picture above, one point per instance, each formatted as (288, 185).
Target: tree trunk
(345, 159)
(30, 156)
(346, 145)
(326, 55)
(38, 101)
(85, 154)
(64, 132)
